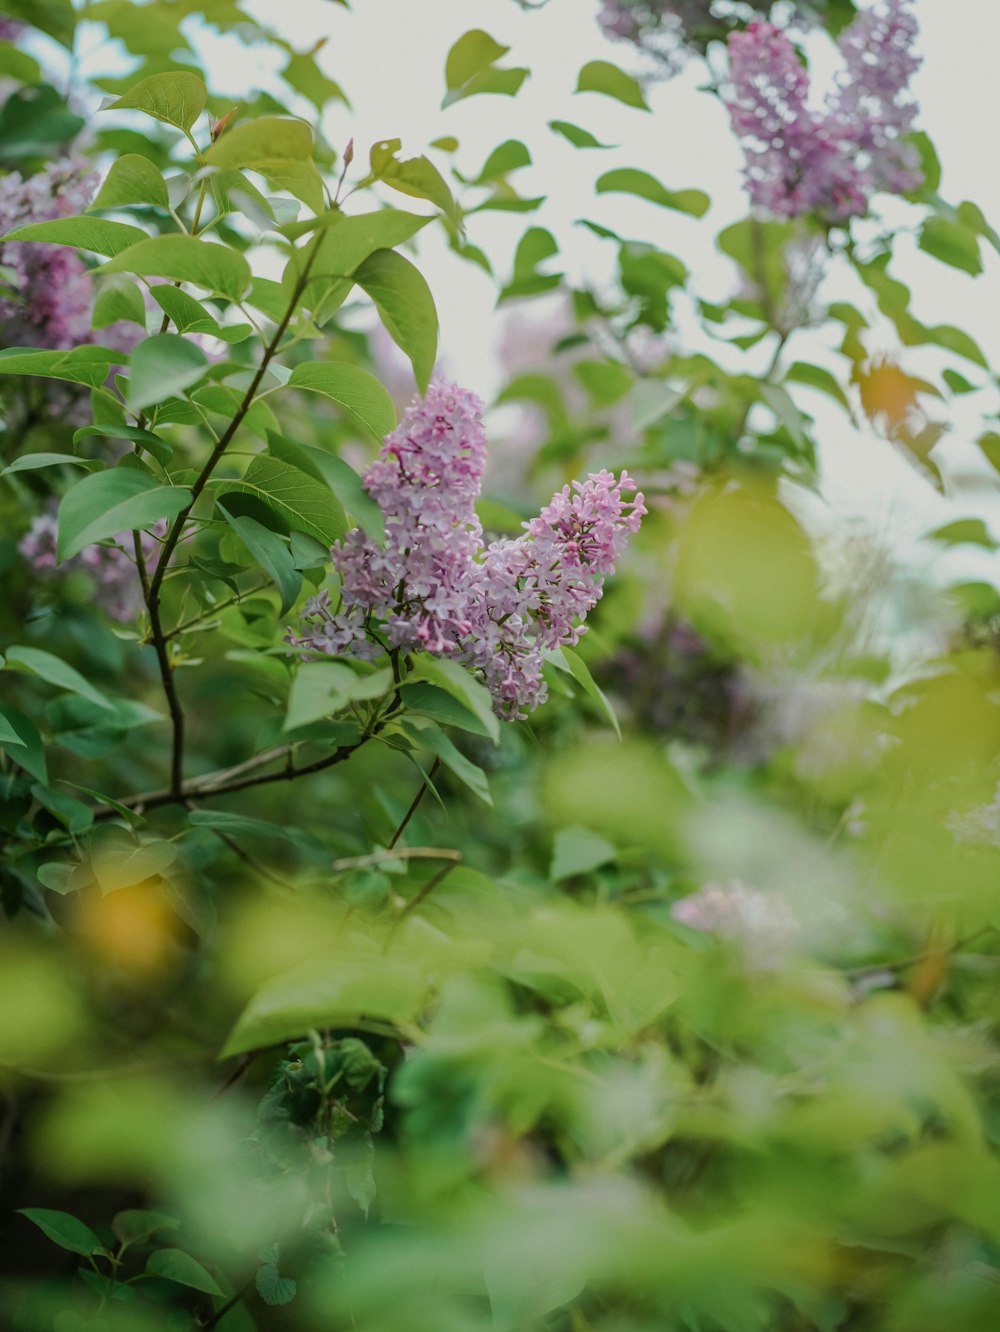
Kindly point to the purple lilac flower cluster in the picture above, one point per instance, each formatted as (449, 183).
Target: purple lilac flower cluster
(663, 27)
(437, 587)
(827, 162)
(50, 301)
(117, 590)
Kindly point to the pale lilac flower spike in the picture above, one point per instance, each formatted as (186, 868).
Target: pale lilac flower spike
(435, 587)
(831, 160)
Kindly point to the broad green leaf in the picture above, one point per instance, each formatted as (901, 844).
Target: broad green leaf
(153, 444)
(96, 234)
(951, 243)
(32, 462)
(176, 1265)
(300, 503)
(468, 773)
(243, 825)
(185, 259)
(578, 851)
(118, 300)
(267, 141)
(55, 672)
(601, 76)
(930, 164)
(322, 688)
(966, 531)
(428, 700)
(345, 483)
(324, 993)
(273, 1288)
(470, 68)
(348, 241)
(578, 137)
(507, 157)
(989, 444)
(29, 752)
(956, 340)
(815, 376)
(69, 1232)
(628, 180)
(457, 681)
(359, 393)
(405, 306)
(8, 735)
(138, 1225)
(55, 17)
(177, 98)
(82, 365)
(118, 862)
(417, 177)
(304, 75)
(133, 179)
(105, 504)
(186, 314)
(162, 367)
(270, 552)
(565, 659)
(535, 246)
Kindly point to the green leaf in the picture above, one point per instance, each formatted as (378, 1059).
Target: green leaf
(176, 1265)
(267, 141)
(119, 862)
(270, 552)
(119, 300)
(153, 444)
(31, 462)
(8, 736)
(601, 76)
(956, 340)
(96, 234)
(989, 444)
(579, 138)
(317, 994)
(242, 825)
(428, 700)
(350, 240)
(133, 179)
(578, 851)
(177, 98)
(273, 1288)
(428, 736)
(966, 531)
(930, 164)
(628, 180)
(67, 1231)
(535, 246)
(507, 157)
(565, 659)
(417, 177)
(815, 376)
(55, 672)
(470, 69)
(137, 1225)
(359, 393)
(162, 367)
(185, 259)
(29, 752)
(458, 682)
(55, 17)
(82, 365)
(951, 243)
(105, 504)
(345, 483)
(301, 503)
(405, 306)
(323, 688)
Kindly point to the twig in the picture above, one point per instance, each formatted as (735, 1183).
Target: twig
(403, 853)
(413, 807)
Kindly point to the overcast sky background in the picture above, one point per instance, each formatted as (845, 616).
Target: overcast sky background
(389, 56)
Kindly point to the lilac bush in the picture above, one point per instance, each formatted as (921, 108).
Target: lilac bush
(437, 587)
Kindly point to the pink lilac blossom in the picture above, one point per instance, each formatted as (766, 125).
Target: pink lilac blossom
(434, 586)
(759, 924)
(50, 301)
(116, 584)
(10, 29)
(830, 161)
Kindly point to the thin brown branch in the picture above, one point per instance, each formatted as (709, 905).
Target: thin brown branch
(415, 804)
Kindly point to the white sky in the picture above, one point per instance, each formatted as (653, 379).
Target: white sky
(389, 56)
